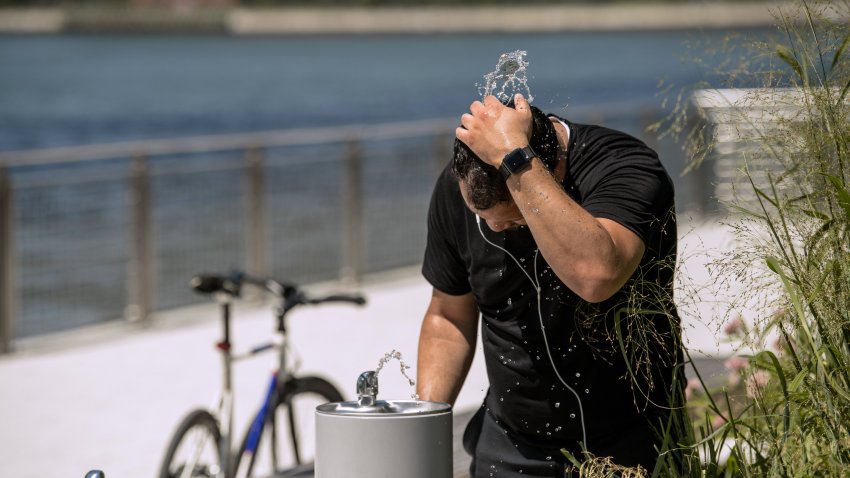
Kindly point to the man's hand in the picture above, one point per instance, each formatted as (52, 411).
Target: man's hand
(493, 130)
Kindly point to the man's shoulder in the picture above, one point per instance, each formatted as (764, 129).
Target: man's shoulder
(446, 187)
(446, 199)
(585, 135)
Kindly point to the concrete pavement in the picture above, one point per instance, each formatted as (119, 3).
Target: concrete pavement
(109, 397)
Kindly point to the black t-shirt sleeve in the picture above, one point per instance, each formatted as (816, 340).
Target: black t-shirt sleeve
(443, 266)
(630, 186)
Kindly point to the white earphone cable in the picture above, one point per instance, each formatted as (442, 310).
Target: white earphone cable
(537, 289)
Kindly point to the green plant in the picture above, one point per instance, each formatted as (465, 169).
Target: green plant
(789, 412)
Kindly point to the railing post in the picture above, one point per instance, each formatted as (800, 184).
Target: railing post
(255, 240)
(140, 268)
(352, 207)
(8, 293)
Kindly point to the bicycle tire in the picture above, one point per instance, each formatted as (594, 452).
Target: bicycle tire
(204, 452)
(295, 388)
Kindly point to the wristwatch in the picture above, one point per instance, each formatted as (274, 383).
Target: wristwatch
(516, 161)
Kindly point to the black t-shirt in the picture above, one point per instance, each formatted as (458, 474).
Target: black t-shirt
(612, 175)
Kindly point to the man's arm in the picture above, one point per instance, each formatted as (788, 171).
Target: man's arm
(594, 257)
(446, 346)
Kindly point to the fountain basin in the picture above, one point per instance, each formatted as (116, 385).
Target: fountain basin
(386, 439)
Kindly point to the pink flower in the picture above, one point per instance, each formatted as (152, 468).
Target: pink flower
(736, 363)
(734, 326)
(692, 388)
(756, 383)
(734, 378)
(718, 422)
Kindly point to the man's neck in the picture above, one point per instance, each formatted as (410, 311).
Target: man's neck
(563, 135)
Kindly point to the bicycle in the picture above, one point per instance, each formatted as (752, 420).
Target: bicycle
(201, 444)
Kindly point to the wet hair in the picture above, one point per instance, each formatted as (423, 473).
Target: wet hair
(485, 185)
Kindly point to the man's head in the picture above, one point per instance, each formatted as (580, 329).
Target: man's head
(482, 184)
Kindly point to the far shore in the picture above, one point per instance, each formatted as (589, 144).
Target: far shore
(392, 20)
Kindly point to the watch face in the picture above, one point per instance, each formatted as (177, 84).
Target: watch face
(516, 161)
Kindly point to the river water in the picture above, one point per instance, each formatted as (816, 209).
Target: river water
(61, 90)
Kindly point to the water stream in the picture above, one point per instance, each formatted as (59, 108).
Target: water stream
(395, 354)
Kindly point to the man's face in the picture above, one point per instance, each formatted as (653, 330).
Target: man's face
(501, 217)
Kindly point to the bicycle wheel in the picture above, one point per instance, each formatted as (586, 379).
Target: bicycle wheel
(287, 444)
(194, 448)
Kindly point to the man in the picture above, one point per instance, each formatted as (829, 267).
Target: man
(562, 237)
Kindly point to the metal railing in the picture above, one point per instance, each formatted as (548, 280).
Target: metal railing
(92, 233)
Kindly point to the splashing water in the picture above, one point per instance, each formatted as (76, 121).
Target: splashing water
(508, 79)
(395, 354)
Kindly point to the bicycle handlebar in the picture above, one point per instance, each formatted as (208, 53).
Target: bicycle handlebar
(231, 286)
(351, 298)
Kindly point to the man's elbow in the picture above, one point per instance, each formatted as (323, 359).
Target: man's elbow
(596, 294)
(599, 288)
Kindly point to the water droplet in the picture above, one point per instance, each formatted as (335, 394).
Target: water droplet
(509, 301)
(586, 390)
(572, 415)
(578, 375)
(557, 404)
(501, 399)
(548, 457)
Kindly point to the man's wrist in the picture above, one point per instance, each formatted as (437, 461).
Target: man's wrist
(516, 161)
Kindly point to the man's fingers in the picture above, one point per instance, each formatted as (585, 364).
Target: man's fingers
(462, 134)
(466, 120)
(476, 107)
(520, 102)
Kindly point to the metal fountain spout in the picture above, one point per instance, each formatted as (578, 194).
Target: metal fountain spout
(367, 388)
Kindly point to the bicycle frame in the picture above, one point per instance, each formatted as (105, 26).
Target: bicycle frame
(225, 408)
(280, 376)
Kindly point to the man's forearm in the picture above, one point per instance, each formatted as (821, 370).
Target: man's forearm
(582, 252)
(446, 349)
